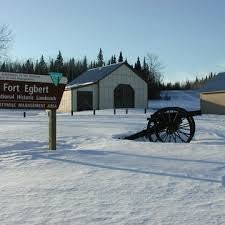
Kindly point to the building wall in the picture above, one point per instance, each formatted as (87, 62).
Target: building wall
(93, 88)
(123, 75)
(65, 104)
(213, 103)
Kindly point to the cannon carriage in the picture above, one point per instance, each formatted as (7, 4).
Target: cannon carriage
(170, 124)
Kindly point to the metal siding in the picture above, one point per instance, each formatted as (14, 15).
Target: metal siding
(123, 75)
(213, 103)
(65, 104)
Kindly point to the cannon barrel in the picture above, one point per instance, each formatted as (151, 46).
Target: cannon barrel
(181, 113)
(139, 134)
(195, 113)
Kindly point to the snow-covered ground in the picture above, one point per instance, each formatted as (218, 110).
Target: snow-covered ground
(186, 99)
(95, 178)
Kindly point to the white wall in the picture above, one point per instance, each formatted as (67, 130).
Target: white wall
(123, 75)
(65, 104)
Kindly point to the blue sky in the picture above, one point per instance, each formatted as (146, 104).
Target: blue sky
(187, 35)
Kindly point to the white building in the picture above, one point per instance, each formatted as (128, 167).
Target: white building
(113, 86)
(212, 95)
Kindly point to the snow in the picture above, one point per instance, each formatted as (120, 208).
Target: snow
(79, 85)
(185, 99)
(95, 178)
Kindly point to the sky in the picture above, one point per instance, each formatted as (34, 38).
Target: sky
(187, 35)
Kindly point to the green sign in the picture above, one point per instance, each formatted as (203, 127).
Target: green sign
(56, 77)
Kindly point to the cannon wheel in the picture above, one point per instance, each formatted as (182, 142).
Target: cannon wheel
(171, 124)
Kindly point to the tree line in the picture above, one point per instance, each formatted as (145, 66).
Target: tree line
(149, 69)
(188, 85)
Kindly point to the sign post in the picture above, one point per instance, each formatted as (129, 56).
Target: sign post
(52, 129)
(32, 91)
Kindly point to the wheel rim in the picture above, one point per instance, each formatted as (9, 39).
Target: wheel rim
(174, 125)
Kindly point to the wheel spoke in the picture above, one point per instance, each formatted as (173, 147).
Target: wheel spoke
(178, 135)
(184, 128)
(169, 116)
(184, 133)
(175, 116)
(185, 124)
(163, 135)
(174, 138)
(166, 134)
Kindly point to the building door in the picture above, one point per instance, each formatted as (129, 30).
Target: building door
(84, 100)
(124, 96)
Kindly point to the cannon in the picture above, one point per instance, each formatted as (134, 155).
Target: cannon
(170, 124)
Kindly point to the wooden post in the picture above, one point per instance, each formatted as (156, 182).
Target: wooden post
(114, 111)
(52, 129)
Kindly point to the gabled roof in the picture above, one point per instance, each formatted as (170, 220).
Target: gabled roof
(217, 84)
(93, 75)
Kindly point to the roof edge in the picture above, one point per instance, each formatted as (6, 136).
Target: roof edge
(80, 85)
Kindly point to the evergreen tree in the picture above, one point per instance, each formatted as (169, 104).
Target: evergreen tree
(36, 67)
(120, 57)
(42, 66)
(29, 67)
(100, 58)
(85, 63)
(145, 68)
(52, 66)
(91, 65)
(59, 63)
(3, 67)
(137, 65)
(114, 59)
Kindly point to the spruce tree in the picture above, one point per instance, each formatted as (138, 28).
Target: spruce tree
(85, 63)
(100, 58)
(3, 67)
(138, 64)
(120, 57)
(29, 66)
(145, 67)
(51, 66)
(114, 59)
(59, 63)
(42, 66)
(91, 65)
